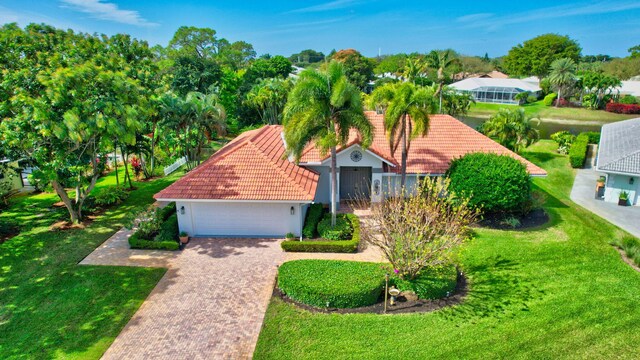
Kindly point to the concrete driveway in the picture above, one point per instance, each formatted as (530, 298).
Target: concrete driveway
(583, 193)
(209, 305)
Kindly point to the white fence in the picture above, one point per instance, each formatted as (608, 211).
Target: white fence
(173, 167)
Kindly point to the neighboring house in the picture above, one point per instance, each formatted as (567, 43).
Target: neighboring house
(492, 75)
(500, 91)
(629, 88)
(248, 188)
(619, 159)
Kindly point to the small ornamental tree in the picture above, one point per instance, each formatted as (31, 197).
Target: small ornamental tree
(421, 229)
(493, 183)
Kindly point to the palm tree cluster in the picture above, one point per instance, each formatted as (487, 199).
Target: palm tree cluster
(512, 129)
(562, 75)
(322, 108)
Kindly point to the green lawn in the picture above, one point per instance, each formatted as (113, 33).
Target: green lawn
(50, 307)
(557, 292)
(538, 109)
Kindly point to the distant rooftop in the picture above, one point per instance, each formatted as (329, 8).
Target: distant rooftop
(619, 149)
(476, 83)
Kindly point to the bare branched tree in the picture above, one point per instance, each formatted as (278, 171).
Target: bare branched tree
(421, 229)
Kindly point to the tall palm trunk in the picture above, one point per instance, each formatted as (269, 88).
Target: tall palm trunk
(559, 95)
(403, 174)
(115, 160)
(334, 185)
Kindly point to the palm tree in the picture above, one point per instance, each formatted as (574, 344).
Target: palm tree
(208, 118)
(402, 101)
(562, 75)
(413, 68)
(513, 129)
(322, 107)
(441, 61)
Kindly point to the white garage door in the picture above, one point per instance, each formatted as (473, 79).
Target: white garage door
(244, 219)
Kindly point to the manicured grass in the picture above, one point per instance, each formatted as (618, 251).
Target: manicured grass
(51, 307)
(560, 291)
(538, 109)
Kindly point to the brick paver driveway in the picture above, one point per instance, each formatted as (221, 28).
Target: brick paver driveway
(209, 305)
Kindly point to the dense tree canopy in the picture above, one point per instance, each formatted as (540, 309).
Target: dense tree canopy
(359, 69)
(534, 57)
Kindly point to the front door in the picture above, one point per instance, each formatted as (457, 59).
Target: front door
(355, 182)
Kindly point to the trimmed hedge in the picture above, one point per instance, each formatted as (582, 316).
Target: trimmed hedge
(594, 137)
(328, 246)
(137, 243)
(431, 283)
(578, 150)
(623, 108)
(332, 283)
(493, 183)
(341, 231)
(314, 215)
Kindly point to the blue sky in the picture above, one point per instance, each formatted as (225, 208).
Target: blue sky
(285, 27)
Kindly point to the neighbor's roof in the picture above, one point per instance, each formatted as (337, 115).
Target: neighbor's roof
(251, 167)
(448, 139)
(475, 83)
(630, 88)
(619, 149)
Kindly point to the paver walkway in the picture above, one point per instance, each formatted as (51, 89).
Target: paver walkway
(209, 305)
(583, 193)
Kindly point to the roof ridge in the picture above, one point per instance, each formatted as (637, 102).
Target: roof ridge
(279, 169)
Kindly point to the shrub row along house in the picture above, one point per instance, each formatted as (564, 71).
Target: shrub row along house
(248, 188)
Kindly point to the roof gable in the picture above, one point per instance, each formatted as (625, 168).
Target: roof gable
(448, 138)
(251, 167)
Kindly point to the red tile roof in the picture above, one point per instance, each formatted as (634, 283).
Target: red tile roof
(251, 167)
(448, 138)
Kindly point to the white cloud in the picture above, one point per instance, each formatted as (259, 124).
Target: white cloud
(102, 10)
(576, 9)
(332, 5)
(474, 17)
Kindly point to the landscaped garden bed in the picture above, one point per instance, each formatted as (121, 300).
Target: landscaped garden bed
(334, 286)
(157, 229)
(343, 238)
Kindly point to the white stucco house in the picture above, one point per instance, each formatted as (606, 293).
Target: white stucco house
(248, 188)
(619, 160)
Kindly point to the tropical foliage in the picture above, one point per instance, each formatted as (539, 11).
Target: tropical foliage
(512, 128)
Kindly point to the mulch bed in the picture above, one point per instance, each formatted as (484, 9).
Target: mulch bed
(496, 221)
(402, 306)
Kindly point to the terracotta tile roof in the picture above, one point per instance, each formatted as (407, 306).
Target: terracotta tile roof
(448, 139)
(251, 167)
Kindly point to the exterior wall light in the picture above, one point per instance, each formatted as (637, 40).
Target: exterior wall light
(293, 210)
(182, 210)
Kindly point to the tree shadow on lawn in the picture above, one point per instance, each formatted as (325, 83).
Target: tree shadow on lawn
(495, 290)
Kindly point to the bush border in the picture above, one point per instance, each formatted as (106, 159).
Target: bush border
(327, 246)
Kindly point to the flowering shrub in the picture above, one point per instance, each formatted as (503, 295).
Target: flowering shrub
(136, 164)
(623, 108)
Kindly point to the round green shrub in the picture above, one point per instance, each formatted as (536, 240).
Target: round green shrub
(493, 183)
(342, 230)
(431, 283)
(332, 283)
(549, 99)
